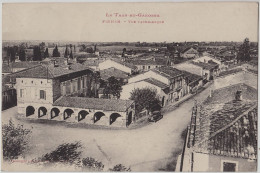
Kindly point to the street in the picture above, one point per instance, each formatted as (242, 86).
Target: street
(154, 147)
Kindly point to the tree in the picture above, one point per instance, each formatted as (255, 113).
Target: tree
(64, 153)
(113, 87)
(22, 55)
(145, 98)
(56, 52)
(46, 53)
(244, 51)
(15, 140)
(82, 48)
(124, 51)
(42, 49)
(66, 52)
(71, 55)
(120, 168)
(12, 54)
(89, 50)
(37, 54)
(95, 83)
(92, 165)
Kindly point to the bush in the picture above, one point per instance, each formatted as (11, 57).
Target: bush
(92, 164)
(120, 168)
(145, 98)
(65, 153)
(15, 140)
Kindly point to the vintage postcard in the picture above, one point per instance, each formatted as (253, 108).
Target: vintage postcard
(129, 86)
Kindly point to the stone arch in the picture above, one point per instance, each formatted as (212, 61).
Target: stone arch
(82, 115)
(113, 117)
(98, 116)
(42, 111)
(67, 113)
(54, 112)
(29, 111)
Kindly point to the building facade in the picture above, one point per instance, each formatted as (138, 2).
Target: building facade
(59, 93)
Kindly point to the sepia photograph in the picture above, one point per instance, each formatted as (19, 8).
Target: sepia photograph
(129, 86)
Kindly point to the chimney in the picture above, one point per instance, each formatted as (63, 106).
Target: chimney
(238, 96)
(55, 63)
(210, 92)
(68, 67)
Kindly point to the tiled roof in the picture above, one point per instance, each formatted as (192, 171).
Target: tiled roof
(93, 62)
(107, 73)
(49, 71)
(227, 129)
(227, 94)
(26, 64)
(191, 77)
(149, 62)
(156, 83)
(94, 103)
(225, 126)
(185, 50)
(127, 64)
(208, 66)
(6, 68)
(168, 72)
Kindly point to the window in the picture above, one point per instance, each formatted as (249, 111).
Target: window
(229, 166)
(149, 67)
(42, 94)
(143, 67)
(21, 92)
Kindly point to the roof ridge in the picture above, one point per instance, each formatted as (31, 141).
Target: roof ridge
(230, 124)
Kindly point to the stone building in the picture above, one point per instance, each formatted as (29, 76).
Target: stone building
(172, 77)
(189, 53)
(58, 92)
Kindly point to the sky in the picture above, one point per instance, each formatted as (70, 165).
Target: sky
(183, 21)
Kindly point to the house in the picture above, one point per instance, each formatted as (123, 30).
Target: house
(170, 76)
(92, 63)
(118, 74)
(210, 70)
(206, 70)
(161, 88)
(227, 55)
(207, 59)
(210, 59)
(118, 64)
(60, 92)
(193, 81)
(189, 53)
(151, 63)
(222, 135)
